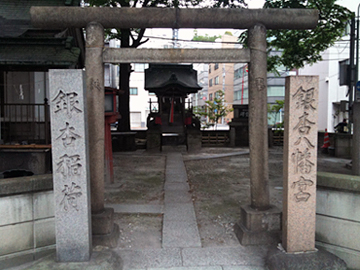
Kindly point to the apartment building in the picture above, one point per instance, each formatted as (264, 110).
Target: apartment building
(221, 77)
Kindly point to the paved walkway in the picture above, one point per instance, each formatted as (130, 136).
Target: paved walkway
(181, 243)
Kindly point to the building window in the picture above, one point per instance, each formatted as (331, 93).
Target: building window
(210, 82)
(151, 94)
(140, 67)
(216, 66)
(210, 97)
(209, 68)
(276, 91)
(133, 91)
(216, 80)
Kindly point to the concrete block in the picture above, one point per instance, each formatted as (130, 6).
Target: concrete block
(44, 232)
(176, 186)
(151, 258)
(180, 234)
(189, 268)
(14, 209)
(173, 196)
(44, 251)
(351, 257)
(180, 212)
(228, 256)
(338, 232)
(15, 238)
(242, 267)
(336, 203)
(16, 259)
(44, 205)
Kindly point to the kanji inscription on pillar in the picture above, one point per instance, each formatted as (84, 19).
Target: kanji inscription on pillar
(70, 165)
(300, 154)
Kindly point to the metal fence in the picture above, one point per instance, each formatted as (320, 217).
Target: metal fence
(25, 123)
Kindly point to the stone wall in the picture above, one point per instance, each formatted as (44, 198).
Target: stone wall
(27, 227)
(338, 216)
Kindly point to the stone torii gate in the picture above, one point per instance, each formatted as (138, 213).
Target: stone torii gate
(256, 21)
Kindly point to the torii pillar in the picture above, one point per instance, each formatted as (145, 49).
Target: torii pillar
(104, 230)
(260, 221)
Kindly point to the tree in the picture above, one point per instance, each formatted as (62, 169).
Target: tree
(300, 47)
(275, 110)
(205, 38)
(124, 35)
(214, 109)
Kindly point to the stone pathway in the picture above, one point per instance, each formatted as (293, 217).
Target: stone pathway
(181, 243)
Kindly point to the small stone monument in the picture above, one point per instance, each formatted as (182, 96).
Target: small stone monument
(299, 199)
(70, 165)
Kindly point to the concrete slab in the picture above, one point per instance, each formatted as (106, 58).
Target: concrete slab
(180, 234)
(137, 208)
(180, 212)
(150, 258)
(176, 176)
(225, 256)
(100, 259)
(174, 196)
(189, 268)
(242, 267)
(179, 186)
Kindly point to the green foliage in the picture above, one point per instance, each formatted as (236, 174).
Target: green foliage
(275, 110)
(205, 38)
(300, 47)
(214, 110)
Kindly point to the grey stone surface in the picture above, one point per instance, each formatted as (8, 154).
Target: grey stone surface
(242, 267)
(152, 258)
(351, 257)
(14, 209)
(43, 204)
(178, 186)
(26, 184)
(7, 262)
(137, 208)
(180, 212)
(229, 256)
(180, 234)
(103, 223)
(70, 165)
(174, 196)
(339, 181)
(338, 204)
(44, 232)
(107, 240)
(321, 259)
(339, 232)
(15, 238)
(189, 268)
(100, 260)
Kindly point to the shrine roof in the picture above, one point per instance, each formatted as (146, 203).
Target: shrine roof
(160, 78)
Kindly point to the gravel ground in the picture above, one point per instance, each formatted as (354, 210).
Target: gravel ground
(218, 187)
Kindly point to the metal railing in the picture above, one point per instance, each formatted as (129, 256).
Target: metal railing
(25, 123)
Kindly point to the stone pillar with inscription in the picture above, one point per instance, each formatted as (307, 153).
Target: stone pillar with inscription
(299, 198)
(260, 221)
(105, 231)
(70, 165)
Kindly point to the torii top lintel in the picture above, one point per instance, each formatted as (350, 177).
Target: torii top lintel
(62, 17)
